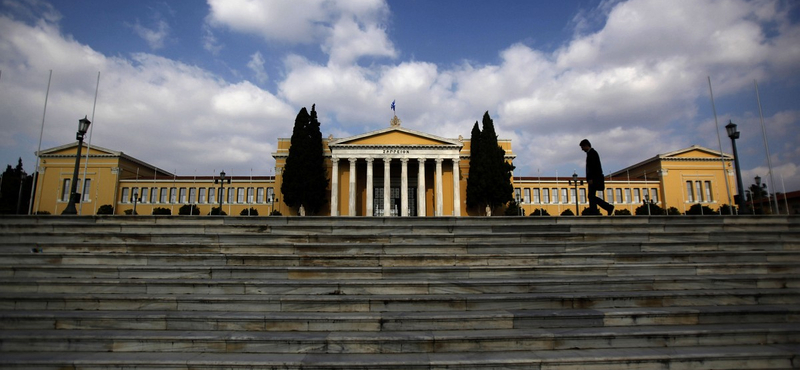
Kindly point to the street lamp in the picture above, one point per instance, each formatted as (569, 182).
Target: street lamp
(734, 134)
(574, 182)
(74, 196)
(221, 182)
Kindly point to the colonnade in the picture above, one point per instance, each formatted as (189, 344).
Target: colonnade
(404, 206)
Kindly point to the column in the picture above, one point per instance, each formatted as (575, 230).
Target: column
(404, 187)
(351, 206)
(456, 188)
(335, 186)
(438, 181)
(369, 187)
(421, 188)
(386, 187)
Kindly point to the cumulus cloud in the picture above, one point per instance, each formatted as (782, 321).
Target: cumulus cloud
(256, 64)
(155, 37)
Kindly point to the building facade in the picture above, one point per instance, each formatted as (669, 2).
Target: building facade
(391, 172)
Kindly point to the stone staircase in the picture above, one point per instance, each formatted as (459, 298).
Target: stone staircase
(151, 292)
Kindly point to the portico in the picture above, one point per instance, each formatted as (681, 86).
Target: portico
(395, 172)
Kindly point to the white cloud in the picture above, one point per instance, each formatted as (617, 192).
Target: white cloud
(256, 64)
(155, 37)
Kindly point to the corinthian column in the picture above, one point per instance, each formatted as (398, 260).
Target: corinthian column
(439, 203)
(456, 188)
(404, 187)
(335, 186)
(351, 204)
(421, 188)
(386, 187)
(369, 187)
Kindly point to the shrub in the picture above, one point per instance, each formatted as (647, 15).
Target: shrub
(189, 209)
(253, 212)
(568, 212)
(216, 211)
(162, 211)
(130, 212)
(672, 211)
(42, 213)
(725, 209)
(698, 209)
(655, 210)
(275, 212)
(105, 209)
(512, 209)
(540, 212)
(622, 212)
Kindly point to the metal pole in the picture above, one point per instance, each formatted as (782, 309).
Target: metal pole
(766, 145)
(73, 196)
(721, 154)
(739, 187)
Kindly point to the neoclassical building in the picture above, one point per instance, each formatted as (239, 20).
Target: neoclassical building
(391, 172)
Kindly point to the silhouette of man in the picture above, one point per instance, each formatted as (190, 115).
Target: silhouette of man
(594, 176)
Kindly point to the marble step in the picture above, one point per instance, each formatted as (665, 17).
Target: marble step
(400, 272)
(388, 286)
(396, 321)
(458, 341)
(397, 303)
(680, 358)
(394, 260)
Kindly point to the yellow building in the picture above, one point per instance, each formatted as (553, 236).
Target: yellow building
(389, 172)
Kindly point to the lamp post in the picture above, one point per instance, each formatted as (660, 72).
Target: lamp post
(135, 199)
(574, 182)
(74, 196)
(221, 182)
(734, 134)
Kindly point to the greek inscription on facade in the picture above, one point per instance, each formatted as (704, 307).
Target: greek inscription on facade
(396, 151)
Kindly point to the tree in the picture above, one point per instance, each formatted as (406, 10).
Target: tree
(305, 179)
(15, 190)
(489, 171)
(756, 196)
(698, 209)
(568, 212)
(189, 209)
(655, 210)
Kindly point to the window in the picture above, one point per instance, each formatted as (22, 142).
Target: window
(182, 193)
(536, 196)
(144, 195)
(125, 195)
(201, 198)
(163, 195)
(572, 196)
(546, 196)
(250, 192)
(231, 195)
(636, 196)
(212, 195)
(627, 195)
(153, 195)
(527, 198)
(646, 194)
(610, 195)
(698, 190)
(87, 185)
(65, 190)
(270, 195)
(173, 195)
(619, 195)
(518, 195)
(260, 195)
(240, 195)
(192, 195)
(134, 194)
(564, 195)
(654, 193)
(689, 193)
(583, 195)
(709, 198)
(555, 195)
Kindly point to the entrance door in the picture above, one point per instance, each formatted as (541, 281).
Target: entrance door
(394, 202)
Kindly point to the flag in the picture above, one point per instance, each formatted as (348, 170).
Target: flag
(393, 106)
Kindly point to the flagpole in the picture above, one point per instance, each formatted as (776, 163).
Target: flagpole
(721, 154)
(89, 143)
(766, 145)
(41, 133)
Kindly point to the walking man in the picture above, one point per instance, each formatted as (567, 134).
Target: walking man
(595, 178)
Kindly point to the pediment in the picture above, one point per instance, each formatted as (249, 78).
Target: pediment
(69, 150)
(694, 151)
(395, 136)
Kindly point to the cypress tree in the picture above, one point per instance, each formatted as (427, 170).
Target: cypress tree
(317, 184)
(304, 175)
(474, 186)
(498, 189)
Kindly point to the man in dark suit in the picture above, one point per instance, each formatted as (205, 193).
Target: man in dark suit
(594, 176)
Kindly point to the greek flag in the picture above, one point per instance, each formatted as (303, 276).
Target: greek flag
(393, 106)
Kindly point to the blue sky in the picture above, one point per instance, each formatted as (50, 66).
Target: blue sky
(199, 87)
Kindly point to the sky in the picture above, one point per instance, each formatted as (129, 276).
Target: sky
(198, 87)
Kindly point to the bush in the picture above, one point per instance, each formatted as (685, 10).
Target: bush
(568, 212)
(540, 212)
(655, 210)
(253, 212)
(622, 212)
(725, 209)
(697, 209)
(105, 209)
(162, 211)
(672, 211)
(42, 213)
(275, 212)
(512, 209)
(216, 211)
(189, 209)
(130, 212)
